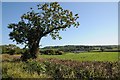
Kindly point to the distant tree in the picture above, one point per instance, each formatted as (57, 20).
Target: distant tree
(102, 48)
(49, 18)
(10, 49)
(4, 48)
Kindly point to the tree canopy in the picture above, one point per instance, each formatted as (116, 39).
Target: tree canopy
(48, 19)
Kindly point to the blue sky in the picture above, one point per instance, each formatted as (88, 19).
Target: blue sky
(98, 23)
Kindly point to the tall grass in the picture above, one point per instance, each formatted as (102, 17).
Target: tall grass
(54, 68)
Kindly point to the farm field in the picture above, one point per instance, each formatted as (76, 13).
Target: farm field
(86, 56)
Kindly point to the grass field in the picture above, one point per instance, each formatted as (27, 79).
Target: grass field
(87, 56)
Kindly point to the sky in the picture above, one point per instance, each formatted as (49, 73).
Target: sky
(98, 23)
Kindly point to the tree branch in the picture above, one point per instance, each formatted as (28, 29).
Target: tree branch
(47, 32)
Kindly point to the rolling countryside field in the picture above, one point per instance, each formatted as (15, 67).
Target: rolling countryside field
(86, 56)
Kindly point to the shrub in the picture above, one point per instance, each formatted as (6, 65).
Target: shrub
(13, 70)
(11, 52)
(59, 52)
(25, 55)
(51, 52)
(11, 49)
(59, 69)
(34, 66)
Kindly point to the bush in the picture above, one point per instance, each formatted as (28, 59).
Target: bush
(11, 52)
(34, 66)
(59, 52)
(47, 69)
(51, 52)
(25, 55)
(11, 49)
(59, 69)
(13, 70)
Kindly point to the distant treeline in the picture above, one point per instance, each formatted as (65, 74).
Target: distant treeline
(82, 48)
(13, 49)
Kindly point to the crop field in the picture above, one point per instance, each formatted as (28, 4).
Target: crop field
(86, 56)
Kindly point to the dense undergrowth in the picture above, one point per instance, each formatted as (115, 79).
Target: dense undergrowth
(58, 69)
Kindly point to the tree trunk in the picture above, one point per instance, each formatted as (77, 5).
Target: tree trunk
(31, 53)
(34, 50)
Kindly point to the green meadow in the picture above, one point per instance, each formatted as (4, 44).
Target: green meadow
(86, 56)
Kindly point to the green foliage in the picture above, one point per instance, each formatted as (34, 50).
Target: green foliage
(49, 19)
(59, 69)
(46, 69)
(17, 70)
(51, 52)
(84, 70)
(59, 52)
(11, 49)
(25, 55)
(11, 52)
(79, 48)
(34, 66)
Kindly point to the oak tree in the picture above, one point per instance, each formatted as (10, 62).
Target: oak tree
(47, 19)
